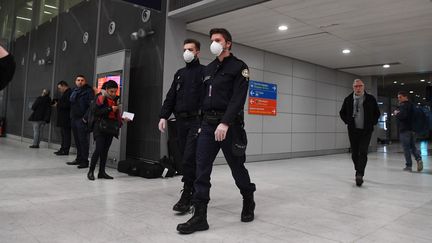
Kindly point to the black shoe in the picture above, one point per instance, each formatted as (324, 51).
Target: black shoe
(359, 180)
(103, 175)
(247, 214)
(34, 146)
(82, 166)
(56, 152)
(408, 168)
(63, 152)
(184, 204)
(90, 175)
(73, 163)
(198, 222)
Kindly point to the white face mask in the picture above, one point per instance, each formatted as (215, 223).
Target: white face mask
(216, 48)
(188, 56)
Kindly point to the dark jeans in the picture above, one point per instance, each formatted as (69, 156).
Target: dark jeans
(359, 140)
(103, 143)
(82, 140)
(66, 136)
(187, 134)
(207, 150)
(408, 140)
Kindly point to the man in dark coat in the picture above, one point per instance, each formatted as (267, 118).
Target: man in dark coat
(360, 112)
(80, 99)
(63, 117)
(7, 67)
(40, 116)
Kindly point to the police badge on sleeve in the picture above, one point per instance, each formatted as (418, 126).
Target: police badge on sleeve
(245, 73)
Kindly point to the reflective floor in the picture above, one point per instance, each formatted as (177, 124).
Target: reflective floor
(298, 200)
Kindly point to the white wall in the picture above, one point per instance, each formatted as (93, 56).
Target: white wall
(309, 99)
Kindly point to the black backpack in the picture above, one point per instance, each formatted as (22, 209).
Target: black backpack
(420, 119)
(90, 115)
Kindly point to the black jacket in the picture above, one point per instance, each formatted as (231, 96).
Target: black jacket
(7, 70)
(80, 101)
(185, 92)
(225, 87)
(63, 109)
(404, 117)
(371, 112)
(41, 109)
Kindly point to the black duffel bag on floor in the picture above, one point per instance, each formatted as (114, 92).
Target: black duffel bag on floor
(142, 168)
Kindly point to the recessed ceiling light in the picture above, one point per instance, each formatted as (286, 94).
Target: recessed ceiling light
(429, 82)
(402, 83)
(386, 66)
(395, 82)
(417, 95)
(282, 27)
(424, 98)
(422, 80)
(418, 103)
(346, 51)
(411, 92)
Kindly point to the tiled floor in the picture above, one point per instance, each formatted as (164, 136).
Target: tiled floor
(298, 200)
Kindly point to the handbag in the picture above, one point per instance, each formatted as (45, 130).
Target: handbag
(108, 126)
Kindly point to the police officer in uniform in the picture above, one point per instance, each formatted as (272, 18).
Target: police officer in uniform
(183, 99)
(226, 86)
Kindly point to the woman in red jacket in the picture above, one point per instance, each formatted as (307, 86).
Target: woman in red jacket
(107, 124)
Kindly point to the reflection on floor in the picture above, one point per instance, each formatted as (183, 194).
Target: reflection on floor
(298, 200)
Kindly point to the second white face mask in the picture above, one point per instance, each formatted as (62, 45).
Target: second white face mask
(188, 56)
(216, 48)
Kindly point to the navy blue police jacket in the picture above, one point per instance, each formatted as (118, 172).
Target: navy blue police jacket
(185, 91)
(225, 87)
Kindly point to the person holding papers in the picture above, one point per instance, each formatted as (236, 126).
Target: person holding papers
(107, 123)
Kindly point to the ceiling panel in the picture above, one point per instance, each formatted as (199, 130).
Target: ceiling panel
(376, 32)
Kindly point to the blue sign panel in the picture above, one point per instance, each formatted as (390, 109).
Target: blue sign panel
(262, 90)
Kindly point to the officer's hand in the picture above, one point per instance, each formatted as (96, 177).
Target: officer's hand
(221, 131)
(3, 52)
(115, 108)
(162, 125)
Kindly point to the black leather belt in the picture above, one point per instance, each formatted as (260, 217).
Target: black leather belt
(186, 115)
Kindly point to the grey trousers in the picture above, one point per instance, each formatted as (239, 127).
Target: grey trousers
(37, 131)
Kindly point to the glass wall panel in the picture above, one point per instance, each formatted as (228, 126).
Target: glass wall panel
(70, 3)
(48, 10)
(23, 19)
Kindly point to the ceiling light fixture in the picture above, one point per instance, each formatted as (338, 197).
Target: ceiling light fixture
(19, 17)
(386, 66)
(424, 98)
(395, 82)
(402, 83)
(411, 92)
(50, 6)
(418, 103)
(422, 80)
(46, 12)
(346, 51)
(429, 82)
(282, 27)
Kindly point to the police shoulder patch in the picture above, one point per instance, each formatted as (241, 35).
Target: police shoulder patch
(245, 73)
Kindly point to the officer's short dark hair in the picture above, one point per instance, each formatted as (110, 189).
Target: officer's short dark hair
(193, 41)
(403, 93)
(81, 76)
(224, 32)
(62, 83)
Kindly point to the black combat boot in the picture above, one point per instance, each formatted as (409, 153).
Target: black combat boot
(184, 204)
(198, 222)
(90, 174)
(247, 214)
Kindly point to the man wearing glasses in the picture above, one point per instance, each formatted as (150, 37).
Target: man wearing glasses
(360, 112)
